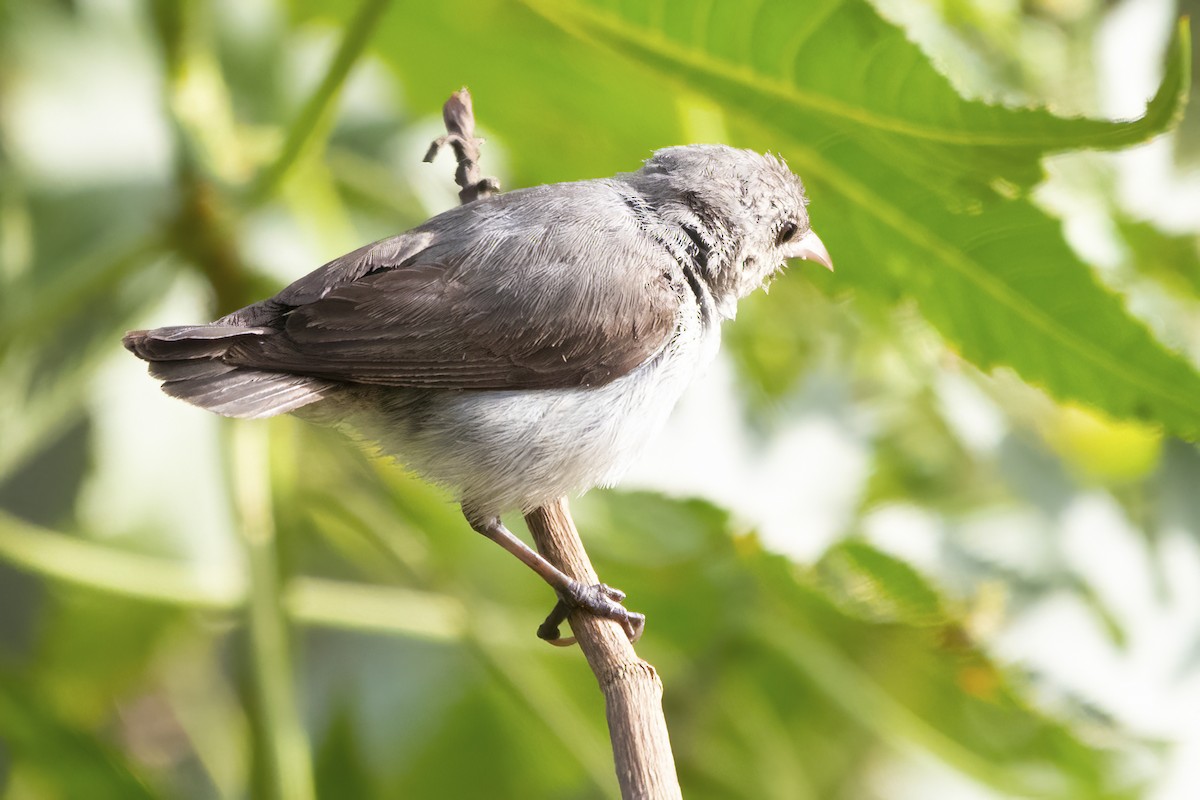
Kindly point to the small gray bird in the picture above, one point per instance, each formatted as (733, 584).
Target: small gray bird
(519, 348)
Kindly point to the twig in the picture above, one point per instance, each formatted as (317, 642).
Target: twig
(460, 136)
(631, 687)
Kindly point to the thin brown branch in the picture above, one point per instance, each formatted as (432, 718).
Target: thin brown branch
(631, 687)
(460, 136)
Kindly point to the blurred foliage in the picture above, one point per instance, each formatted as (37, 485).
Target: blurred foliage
(292, 617)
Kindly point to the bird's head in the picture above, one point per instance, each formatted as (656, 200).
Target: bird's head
(746, 214)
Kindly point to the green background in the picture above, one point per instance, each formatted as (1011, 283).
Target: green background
(928, 530)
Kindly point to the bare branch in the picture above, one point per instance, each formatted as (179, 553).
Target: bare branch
(460, 136)
(632, 689)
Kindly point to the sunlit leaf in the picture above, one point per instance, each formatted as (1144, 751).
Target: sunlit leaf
(836, 63)
(874, 143)
(879, 587)
(1173, 259)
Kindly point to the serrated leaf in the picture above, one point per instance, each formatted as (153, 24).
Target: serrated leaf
(994, 275)
(1006, 289)
(839, 64)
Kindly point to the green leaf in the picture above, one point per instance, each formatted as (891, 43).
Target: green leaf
(1008, 291)
(780, 682)
(65, 760)
(878, 587)
(565, 112)
(341, 769)
(1172, 259)
(897, 166)
(837, 64)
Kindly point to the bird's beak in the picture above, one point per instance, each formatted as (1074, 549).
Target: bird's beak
(810, 247)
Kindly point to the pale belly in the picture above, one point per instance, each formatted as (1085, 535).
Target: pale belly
(517, 450)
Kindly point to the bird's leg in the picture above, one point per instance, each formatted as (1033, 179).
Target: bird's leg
(601, 600)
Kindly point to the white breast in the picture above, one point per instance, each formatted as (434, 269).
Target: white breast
(517, 450)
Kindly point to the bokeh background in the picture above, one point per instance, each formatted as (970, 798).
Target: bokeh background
(929, 528)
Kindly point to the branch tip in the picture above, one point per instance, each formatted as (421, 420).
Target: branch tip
(459, 117)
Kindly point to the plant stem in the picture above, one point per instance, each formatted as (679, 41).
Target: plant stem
(286, 753)
(631, 687)
(79, 562)
(313, 116)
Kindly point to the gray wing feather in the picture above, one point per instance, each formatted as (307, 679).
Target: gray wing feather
(554, 286)
(503, 294)
(392, 252)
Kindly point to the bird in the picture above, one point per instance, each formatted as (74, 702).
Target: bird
(519, 348)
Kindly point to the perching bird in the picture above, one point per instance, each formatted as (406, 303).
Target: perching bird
(519, 348)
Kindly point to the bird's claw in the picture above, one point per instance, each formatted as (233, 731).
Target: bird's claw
(600, 600)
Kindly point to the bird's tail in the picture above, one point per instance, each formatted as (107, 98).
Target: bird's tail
(189, 360)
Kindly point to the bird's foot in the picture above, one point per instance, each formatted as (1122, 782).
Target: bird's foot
(599, 600)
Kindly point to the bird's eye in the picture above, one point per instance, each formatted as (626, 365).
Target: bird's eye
(786, 233)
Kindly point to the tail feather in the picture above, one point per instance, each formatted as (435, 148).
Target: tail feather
(187, 341)
(189, 370)
(247, 393)
(188, 359)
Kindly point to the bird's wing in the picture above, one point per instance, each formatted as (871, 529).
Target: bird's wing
(502, 295)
